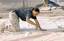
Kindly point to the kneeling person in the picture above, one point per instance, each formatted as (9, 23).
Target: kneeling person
(26, 13)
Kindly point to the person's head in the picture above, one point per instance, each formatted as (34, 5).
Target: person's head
(35, 11)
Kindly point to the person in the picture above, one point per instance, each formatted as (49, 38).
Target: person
(26, 13)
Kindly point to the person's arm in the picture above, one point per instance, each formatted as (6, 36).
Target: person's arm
(37, 24)
(31, 22)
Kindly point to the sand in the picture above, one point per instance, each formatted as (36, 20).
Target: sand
(32, 36)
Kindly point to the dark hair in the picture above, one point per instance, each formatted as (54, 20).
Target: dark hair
(36, 9)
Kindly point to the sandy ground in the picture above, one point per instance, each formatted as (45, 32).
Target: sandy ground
(32, 36)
